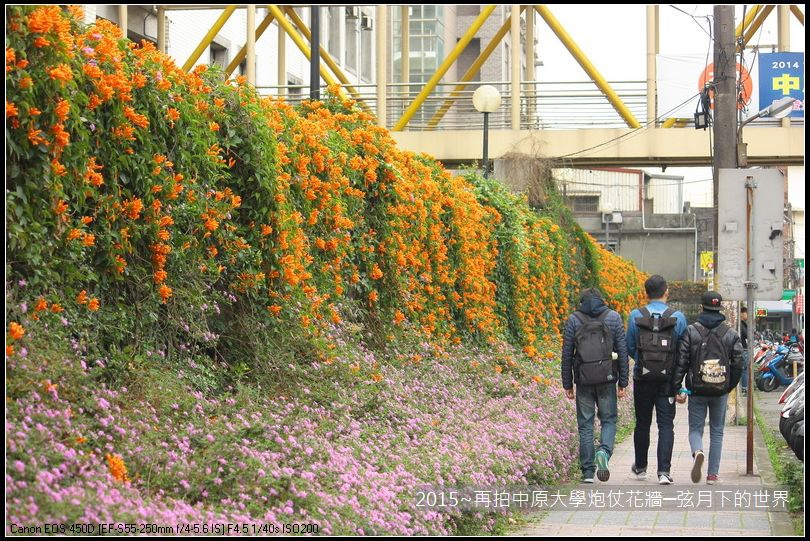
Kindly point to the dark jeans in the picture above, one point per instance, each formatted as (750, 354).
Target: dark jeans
(596, 400)
(744, 380)
(646, 397)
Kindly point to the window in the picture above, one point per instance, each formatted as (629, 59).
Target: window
(584, 203)
(334, 32)
(219, 55)
(366, 54)
(351, 44)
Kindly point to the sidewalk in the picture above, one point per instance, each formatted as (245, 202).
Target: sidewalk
(673, 522)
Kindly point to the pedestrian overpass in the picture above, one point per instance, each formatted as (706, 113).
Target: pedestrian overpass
(589, 124)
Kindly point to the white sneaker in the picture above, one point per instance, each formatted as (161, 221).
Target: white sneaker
(587, 480)
(697, 467)
(664, 479)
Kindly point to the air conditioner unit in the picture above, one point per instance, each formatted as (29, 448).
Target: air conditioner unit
(366, 22)
(352, 13)
(612, 217)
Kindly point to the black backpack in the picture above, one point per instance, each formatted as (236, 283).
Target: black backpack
(710, 371)
(593, 350)
(656, 346)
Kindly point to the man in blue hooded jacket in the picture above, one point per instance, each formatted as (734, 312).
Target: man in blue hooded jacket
(653, 395)
(598, 397)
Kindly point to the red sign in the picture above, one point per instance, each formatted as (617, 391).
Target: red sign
(742, 75)
(799, 303)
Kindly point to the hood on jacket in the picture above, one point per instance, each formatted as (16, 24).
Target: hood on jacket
(710, 319)
(591, 303)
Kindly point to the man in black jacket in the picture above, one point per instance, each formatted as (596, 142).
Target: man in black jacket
(712, 366)
(601, 396)
(744, 340)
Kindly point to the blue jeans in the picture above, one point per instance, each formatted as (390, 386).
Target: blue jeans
(716, 405)
(602, 401)
(649, 396)
(744, 380)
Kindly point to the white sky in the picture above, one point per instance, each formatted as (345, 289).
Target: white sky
(614, 39)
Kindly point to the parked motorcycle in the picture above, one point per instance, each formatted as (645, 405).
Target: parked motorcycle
(777, 369)
(791, 421)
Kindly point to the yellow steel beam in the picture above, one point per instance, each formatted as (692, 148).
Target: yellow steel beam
(798, 13)
(243, 51)
(299, 41)
(209, 37)
(589, 68)
(454, 54)
(748, 18)
(669, 122)
(752, 29)
(324, 55)
(470, 73)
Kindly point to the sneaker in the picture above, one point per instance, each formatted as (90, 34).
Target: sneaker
(664, 479)
(602, 471)
(711, 479)
(587, 480)
(697, 467)
(640, 475)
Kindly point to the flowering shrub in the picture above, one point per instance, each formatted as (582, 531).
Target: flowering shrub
(274, 313)
(132, 183)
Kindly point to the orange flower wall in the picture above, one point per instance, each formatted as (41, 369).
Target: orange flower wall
(130, 179)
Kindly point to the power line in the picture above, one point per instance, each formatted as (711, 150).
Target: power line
(570, 182)
(695, 19)
(635, 131)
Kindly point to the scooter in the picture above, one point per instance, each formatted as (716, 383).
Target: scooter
(793, 395)
(791, 418)
(777, 370)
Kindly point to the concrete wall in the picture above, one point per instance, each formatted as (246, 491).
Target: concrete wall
(672, 255)
(668, 253)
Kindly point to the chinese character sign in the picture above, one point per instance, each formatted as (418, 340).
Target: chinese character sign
(782, 75)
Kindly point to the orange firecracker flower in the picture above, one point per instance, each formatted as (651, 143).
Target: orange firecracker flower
(16, 331)
(117, 468)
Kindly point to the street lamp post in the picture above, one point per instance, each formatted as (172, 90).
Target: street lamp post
(778, 109)
(486, 100)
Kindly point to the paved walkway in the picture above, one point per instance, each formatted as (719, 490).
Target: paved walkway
(672, 521)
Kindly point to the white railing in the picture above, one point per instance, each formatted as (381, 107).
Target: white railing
(543, 105)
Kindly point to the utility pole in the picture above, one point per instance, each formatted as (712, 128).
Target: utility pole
(725, 157)
(725, 102)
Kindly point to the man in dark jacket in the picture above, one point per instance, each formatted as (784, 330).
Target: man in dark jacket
(599, 397)
(703, 376)
(744, 340)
